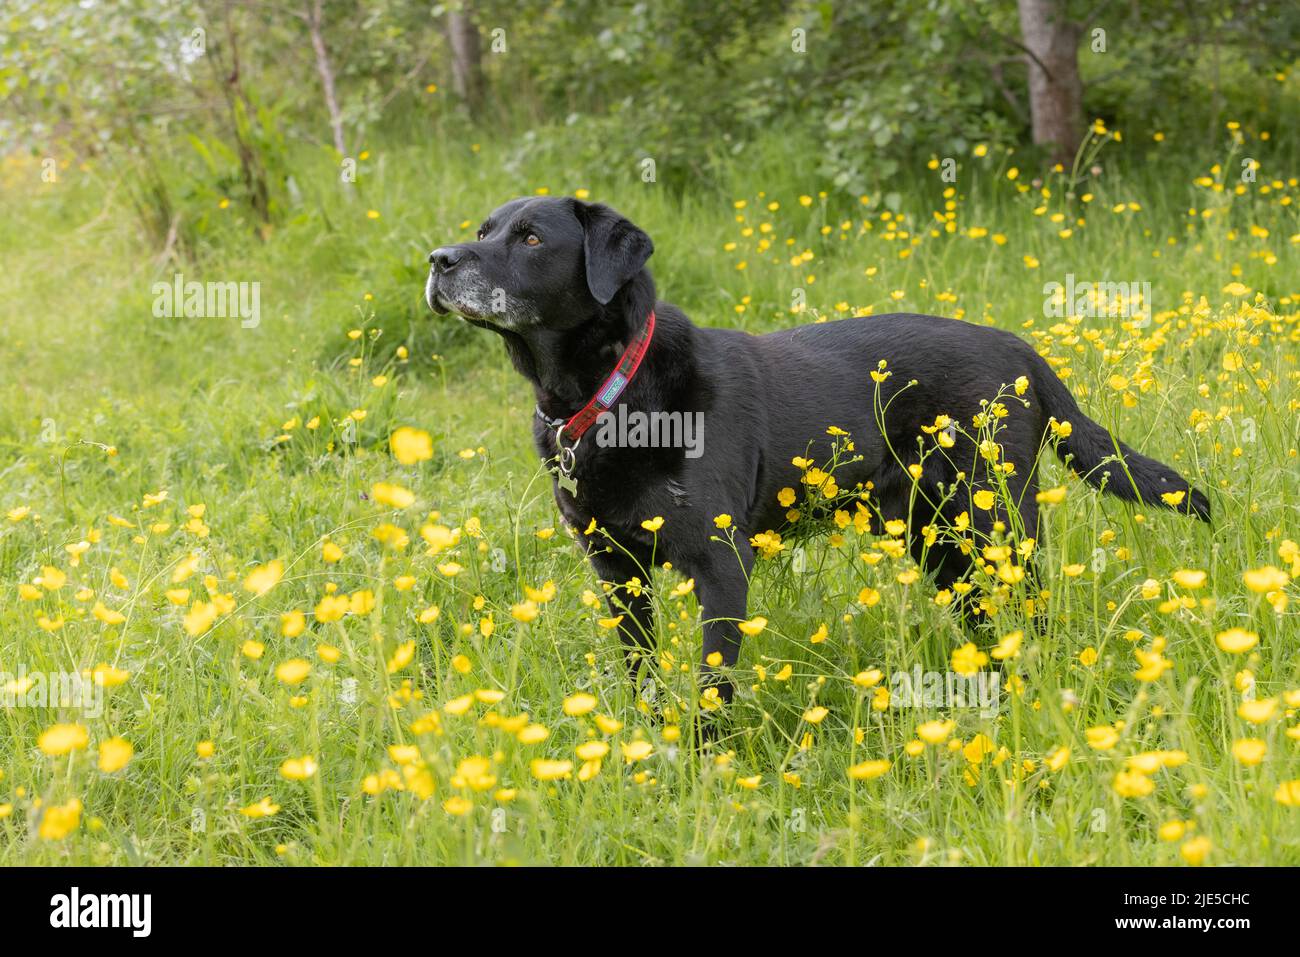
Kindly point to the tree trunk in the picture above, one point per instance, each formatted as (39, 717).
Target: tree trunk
(1055, 89)
(251, 166)
(314, 18)
(466, 56)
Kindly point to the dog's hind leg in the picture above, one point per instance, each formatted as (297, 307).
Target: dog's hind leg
(946, 563)
(1009, 529)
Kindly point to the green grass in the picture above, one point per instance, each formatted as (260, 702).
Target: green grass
(199, 407)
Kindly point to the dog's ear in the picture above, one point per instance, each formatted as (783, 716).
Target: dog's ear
(614, 247)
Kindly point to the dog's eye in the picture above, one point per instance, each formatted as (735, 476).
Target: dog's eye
(532, 240)
(481, 233)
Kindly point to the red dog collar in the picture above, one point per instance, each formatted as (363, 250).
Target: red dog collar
(613, 387)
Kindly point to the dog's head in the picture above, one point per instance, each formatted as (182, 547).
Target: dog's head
(538, 262)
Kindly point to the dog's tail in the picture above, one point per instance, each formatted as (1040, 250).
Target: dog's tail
(1105, 462)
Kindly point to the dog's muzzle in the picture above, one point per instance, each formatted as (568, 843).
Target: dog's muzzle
(442, 261)
(453, 284)
(433, 297)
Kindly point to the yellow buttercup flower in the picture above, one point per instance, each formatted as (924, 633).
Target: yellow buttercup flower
(458, 706)
(418, 780)
(636, 751)
(977, 748)
(1266, 579)
(533, 734)
(60, 820)
(262, 579)
(1008, 646)
(968, 660)
(410, 445)
(592, 750)
(1057, 759)
(1257, 712)
(1132, 784)
(475, 773)
(866, 770)
(106, 676)
(547, 770)
(298, 769)
(934, 732)
(394, 496)
(458, 805)
(107, 615)
(607, 724)
(201, 616)
(403, 655)
(114, 754)
(1249, 751)
(525, 611)
(332, 608)
(541, 595)
(262, 808)
(579, 704)
(51, 579)
(184, 569)
(1236, 640)
(60, 739)
(293, 671)
(1102, 738)
(1195, 851)
(1172, 831)
(1288, 793)
(1052, 496)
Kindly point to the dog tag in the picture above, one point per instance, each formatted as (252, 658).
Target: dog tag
(565, 459)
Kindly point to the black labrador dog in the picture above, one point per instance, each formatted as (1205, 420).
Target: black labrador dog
(564, 283)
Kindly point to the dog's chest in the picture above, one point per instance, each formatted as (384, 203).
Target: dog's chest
(609, 488)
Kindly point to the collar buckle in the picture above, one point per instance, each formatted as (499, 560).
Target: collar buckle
(566, 455)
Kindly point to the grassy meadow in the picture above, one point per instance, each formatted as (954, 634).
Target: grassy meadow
(317, 644)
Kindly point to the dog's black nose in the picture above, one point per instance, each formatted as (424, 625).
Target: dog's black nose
(445, 258)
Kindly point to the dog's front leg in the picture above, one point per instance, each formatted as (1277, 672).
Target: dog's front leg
(629, 598)
(723, 581)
